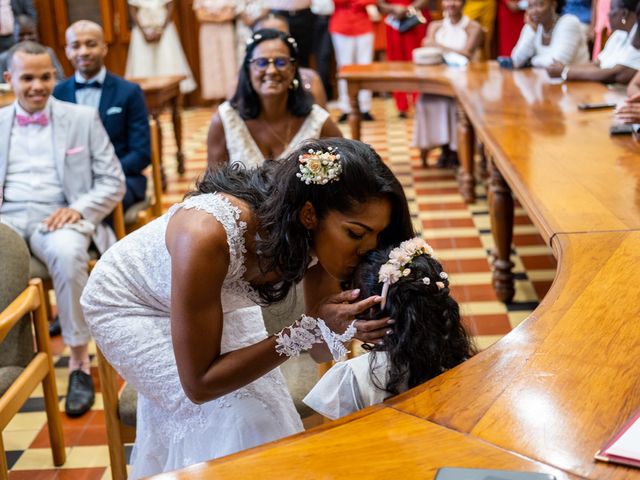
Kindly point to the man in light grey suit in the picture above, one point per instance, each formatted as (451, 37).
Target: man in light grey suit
(59, 179)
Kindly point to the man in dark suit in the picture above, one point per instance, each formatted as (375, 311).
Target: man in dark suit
(10, 10)
(119, 102)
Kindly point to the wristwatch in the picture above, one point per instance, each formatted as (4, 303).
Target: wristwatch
(564, 74)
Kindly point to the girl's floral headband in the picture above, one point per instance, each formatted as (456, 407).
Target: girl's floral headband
(399, 263)
(319, 167)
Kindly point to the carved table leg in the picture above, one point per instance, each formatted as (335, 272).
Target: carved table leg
(466, 145)
(177, 130)
(501, 210)
(354, 116)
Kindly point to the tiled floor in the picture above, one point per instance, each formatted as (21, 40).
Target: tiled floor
(459, 233)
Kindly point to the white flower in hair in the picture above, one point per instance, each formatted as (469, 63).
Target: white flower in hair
(400, 259)
(319, 167)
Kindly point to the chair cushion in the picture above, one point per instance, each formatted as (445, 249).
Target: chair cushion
(131, 215)
(37, 269)
(127, 406)
(17, 347)
(8, 375)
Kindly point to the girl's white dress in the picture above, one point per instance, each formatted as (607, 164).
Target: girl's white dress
(348, 386)
(163, 58)
(127, 304)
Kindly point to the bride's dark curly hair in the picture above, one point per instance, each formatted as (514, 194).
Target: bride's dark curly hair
(277, 196)
(428, 337)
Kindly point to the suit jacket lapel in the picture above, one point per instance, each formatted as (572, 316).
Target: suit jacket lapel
(106, 99)
(60, 128)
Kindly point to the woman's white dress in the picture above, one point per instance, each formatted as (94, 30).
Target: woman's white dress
(163, 58)
(435, 123)
(243, 149)
(127, 307)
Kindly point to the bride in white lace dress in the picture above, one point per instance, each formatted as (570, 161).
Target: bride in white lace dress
(173, 305)
(271, 112)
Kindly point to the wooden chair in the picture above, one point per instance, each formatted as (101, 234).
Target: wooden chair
(22, 369)
(120, 416)
(150, 208)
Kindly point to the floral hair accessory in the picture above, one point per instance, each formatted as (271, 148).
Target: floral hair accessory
(319, 167)
(399, 264)
(253, 39)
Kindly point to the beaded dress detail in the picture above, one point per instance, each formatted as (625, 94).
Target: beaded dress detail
(131, 325)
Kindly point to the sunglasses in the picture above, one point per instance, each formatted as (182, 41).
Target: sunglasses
(262, 63)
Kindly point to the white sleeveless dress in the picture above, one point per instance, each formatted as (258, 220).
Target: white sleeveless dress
(435, 123)
(242, 147)
(127, 306)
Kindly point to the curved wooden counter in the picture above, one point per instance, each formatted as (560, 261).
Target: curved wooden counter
(551, 392)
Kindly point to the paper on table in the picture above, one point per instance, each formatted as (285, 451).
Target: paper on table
(628, 445)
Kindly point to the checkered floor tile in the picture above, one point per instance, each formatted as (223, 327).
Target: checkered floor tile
(460, 234)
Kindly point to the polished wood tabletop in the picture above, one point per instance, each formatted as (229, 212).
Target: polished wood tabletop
(561, 161)
(6, 98)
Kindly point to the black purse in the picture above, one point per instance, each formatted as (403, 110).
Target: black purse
(413, 19)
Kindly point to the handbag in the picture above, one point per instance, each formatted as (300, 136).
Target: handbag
(413, 19)
(322, 7)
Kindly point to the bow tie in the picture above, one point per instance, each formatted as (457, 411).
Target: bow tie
(35, 119)
(94, 84)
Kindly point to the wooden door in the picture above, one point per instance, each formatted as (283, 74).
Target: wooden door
(112, 15)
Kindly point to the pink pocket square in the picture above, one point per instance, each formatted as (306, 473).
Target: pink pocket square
(75, 150)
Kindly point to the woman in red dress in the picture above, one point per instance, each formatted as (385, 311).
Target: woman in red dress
(510, 23)
(401, 45)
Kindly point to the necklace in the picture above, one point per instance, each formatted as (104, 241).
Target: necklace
(287, 139)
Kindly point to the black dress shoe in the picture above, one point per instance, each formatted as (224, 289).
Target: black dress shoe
(367, 117)
(80, 394)
(54, 327)
(403, 115)
(343, 118)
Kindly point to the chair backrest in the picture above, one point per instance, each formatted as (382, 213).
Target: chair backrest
(17, 346)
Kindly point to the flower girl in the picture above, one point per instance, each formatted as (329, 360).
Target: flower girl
(427, 339)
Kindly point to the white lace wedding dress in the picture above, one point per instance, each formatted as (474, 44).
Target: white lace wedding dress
(127, 304)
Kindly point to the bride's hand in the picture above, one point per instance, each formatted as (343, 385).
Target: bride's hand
(338, 312)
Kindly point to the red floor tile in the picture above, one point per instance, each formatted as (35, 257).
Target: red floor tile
(487, 324)
(538, 262)
(461, 242)
(437, 191)
(528, 239)
(475, 293)
(466, 265)
(541, 288)
(447, 223)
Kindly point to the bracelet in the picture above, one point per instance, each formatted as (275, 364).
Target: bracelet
(303, 334)
(334, 341)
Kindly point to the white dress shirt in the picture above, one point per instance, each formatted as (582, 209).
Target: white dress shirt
(6, 18)
(288, 4)
(31, 171)
(90, 96)
(619, 50)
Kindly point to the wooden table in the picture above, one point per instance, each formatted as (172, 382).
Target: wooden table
(551, 392)
(159, 93)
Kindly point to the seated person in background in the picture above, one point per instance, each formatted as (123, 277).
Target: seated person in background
(548, 38)
(59, 179)
(25, 30)
(428, 336)
(271, 112)
(435, 123)
(310, 79)
(619, 60)
(10, 10)
(629, 110)
(120, 103)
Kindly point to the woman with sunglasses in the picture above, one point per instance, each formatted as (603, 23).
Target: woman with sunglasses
(270, 112)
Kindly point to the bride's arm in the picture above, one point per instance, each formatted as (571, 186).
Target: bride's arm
(199, 253)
